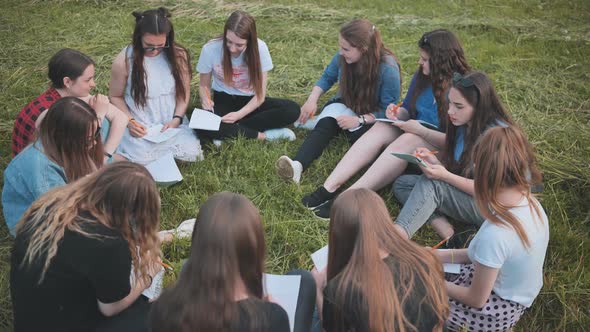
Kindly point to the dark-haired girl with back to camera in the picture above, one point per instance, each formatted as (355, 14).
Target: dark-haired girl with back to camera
(440, 55)
(503, 271)
(369, 79)
(235, 66)
(72, 75)
(446, 187)
(150, 82)
(377, 281)
(76, 248)
(220, 287)
(68, 147)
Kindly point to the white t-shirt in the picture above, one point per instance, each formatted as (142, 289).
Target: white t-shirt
(211, 60)
(521, 269)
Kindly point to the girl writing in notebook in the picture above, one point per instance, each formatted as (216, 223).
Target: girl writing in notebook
(368, 75)
(440, 54)
(446, 188)
(376, 280)
(150, 82)
(68, 147)
(220, 288)
(72, 75)
(503, 271)
(76, 248)
(233, 70)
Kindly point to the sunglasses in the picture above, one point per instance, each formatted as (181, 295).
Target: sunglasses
(156, 48)
(463, 81)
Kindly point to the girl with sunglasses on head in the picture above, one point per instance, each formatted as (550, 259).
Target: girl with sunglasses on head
(220, 287)
(72, 75)
(376, 280)
(504, 262)
(446, 188)
(369, 79)
(235, 66)
(76, 248)
(150, 82)
(441, 55)
(67, 148)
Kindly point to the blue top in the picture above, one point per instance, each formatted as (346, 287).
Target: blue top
(426, 108)
(388, 84)
(460, 137)
(28, 176)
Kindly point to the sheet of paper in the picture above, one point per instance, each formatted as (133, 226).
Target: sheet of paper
(155, 135)
(388, 120)
(320, 258)
(164, 170)
(410, 158)
(201, 119)
(156, 287)
(284, 290)
(452, 268)
(428, 125)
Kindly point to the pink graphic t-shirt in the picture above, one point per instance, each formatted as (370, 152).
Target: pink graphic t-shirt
(211, 59)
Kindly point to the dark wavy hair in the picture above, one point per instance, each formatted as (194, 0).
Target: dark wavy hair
(358, 81)
(67, 63)
(157, 22)
(446, 58)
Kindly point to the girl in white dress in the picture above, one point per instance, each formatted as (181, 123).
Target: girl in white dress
(150, 81)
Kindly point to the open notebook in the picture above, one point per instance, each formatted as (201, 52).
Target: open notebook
(284, 290)
(164, 170)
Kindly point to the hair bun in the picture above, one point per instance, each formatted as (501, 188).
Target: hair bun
(138, 15)
(164, 11)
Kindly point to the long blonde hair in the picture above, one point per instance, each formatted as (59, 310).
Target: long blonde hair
(121, 196)
(504, 158)
(360, 226)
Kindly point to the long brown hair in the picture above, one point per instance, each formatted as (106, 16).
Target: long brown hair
(488, 110)
(244, 26)
(227, 245)
(122, 196)
(64, 135)
(156, 22)
(446, 57)
(358, 81)
(504, 158)
(360, 227)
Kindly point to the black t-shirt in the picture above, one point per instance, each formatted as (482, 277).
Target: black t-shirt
(272, 316)
(418, 312)
(83, 270)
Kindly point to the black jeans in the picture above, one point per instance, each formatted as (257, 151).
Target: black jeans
(273, 113)
(305, 301)
(318, 139)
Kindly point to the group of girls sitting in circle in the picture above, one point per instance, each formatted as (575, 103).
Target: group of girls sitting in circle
(85, 213)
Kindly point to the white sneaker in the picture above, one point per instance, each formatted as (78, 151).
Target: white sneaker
(289, 169)
(280, 133)
(217, 142)
(183, 231)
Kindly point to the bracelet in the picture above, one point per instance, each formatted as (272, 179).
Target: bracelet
(452, 256)
(177, 117)
(108, 154)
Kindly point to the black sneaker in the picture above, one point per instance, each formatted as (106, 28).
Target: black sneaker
(323, 211)
(317, 198)
(461, 240)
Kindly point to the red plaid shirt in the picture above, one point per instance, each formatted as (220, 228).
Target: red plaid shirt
(24, 125)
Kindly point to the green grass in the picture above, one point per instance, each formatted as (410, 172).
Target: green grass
(535, 51)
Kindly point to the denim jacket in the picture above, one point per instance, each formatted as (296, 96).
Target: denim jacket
(388, 84)
(28, 176)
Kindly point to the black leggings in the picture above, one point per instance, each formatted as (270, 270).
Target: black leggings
(273, 113)
(318, 139)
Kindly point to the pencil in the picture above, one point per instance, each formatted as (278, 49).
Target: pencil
(441, 243)
(429, 153)
(166, 266)
(396, 107)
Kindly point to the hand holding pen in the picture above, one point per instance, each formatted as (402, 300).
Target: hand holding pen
(136, 129)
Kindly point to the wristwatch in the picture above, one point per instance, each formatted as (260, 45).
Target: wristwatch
(362, 120)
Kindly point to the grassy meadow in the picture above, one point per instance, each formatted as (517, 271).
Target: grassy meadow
(536, 52)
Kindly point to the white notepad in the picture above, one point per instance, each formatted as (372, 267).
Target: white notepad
(284, 290)
(201, 119)
(155, 135)
(156, 287)
(164, 170)
(320, 258)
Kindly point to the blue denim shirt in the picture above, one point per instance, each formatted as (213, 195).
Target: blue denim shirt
(388, 84)
(28, 176)
(426, 108)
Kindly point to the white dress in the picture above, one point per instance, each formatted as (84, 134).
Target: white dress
(159, 109)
